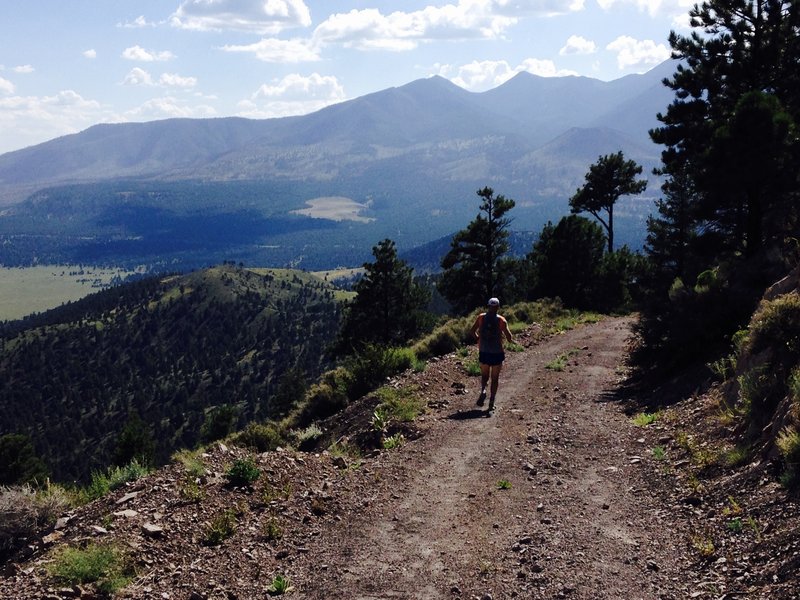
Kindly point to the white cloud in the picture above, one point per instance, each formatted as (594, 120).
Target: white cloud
(138, 76)
(655, 8)
(168, 106)
(258, 16)
(23, 69)
(175, 80)
(6, 87)
(484, 75)
(137, 23)
(280, 51)
(140, 54)
(637, 54)
(91, 53)
(293, 95)
(30, 120)
(578, 45)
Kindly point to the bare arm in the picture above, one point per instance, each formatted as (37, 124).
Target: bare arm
(506, 331)
(475, 326)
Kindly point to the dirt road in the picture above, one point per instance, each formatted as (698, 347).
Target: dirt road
(546, 498)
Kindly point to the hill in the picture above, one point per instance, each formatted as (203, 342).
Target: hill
(558, 494)
(171, 350)
(409, 158)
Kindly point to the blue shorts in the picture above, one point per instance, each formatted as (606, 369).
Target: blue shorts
(491, 358)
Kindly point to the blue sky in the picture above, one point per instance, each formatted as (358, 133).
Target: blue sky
(67, 65)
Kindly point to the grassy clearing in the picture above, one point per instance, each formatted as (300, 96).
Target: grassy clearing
(37, 289)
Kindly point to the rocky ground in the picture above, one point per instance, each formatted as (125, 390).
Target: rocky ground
(557, 494)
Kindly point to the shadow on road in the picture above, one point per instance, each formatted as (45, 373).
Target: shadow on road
(468, 414)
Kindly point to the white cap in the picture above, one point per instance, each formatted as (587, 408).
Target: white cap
(493, 302)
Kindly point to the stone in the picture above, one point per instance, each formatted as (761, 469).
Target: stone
(152, 530)
(127, 497)
(127, 513)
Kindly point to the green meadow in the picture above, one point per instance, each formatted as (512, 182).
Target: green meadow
(24, 291)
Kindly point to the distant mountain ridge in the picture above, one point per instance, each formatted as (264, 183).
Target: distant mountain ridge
(413, 155)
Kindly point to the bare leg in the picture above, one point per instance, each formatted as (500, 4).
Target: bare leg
(495, 383)
(484, 381)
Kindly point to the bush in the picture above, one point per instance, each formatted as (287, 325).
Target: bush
(443, 340)
(104, 565)
(261, 437)
(243, 472)
(114, 477)
(789, 445)
(24, 510)
(776, 325)
(322, 401)
(400, 404)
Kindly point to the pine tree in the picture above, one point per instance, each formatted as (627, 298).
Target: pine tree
(389, 308)
(609, 178)
(471, 274)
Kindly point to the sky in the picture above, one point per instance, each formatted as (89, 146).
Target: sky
(68, 64)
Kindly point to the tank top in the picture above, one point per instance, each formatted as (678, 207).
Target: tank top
(490, 339)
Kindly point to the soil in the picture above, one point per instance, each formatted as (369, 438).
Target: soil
(555, 494)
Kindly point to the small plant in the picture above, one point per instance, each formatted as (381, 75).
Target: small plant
(310, 434)
(272, 530)
(279, 586)
(659, 453)
(190, 490)
(733, 508)
(344, 449)
(191, 462)
(644, 419)
(472, 368)
(704, 545)
(273, 493)
(105, 566)
(380, 420)
(393, 441)
(504, 484)
(737, 456)
(220, 528)
(463, 352)
(243, 472)
(753, 525)
(559, 363)
(735, 525)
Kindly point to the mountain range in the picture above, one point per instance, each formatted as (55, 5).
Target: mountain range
(402, 163)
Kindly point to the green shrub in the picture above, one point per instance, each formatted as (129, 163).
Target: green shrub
(261, 437)
(442, 340)
(219, 422)
(279, 586)
(776, 325)
(221, 528)
(322, 401)
(400, 404)
(191, 461)
(393, 441)
(789, 445)
(114, 477)
(104, 565)
(759, 390)
(243, 472)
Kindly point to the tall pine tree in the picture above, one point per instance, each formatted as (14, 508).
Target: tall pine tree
(471, 267)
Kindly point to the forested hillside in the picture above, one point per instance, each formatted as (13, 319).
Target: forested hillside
(177, 352)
